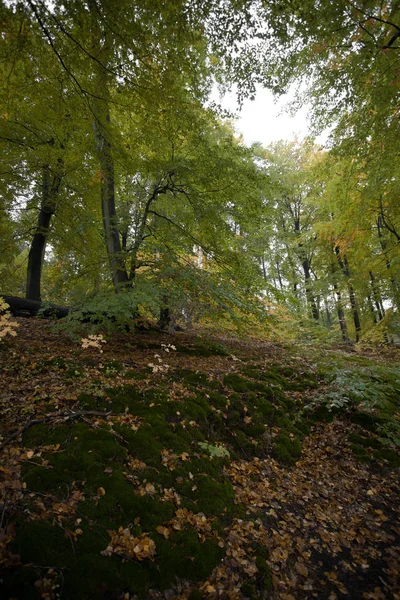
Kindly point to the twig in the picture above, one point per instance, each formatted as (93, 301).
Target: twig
(53, 417)
(3, 514)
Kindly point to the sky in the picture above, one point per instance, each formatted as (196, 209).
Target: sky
(264, 119)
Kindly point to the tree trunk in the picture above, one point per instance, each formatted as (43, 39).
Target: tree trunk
(327, 313)
(340, 313)
(310, 298)
(102, 121)
(395, 285)
(377, 297)
(344, 265)
(371, 309)
(50, 188)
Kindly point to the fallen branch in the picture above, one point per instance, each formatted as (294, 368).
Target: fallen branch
(53, 417)
(20, 307)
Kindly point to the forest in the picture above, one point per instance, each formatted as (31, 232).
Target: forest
(199, 338)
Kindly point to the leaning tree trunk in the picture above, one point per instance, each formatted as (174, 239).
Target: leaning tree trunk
(50, 188)
(101, 124)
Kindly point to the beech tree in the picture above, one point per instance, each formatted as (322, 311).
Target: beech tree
(105, 49)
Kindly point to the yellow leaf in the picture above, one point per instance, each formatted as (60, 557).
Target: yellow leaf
(301, 568)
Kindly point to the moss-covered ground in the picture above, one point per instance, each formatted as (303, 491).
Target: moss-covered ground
(192, 466)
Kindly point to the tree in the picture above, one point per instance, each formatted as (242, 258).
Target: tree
(290, 207)
(106, 48)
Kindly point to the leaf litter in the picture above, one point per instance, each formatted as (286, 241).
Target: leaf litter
(328, 527)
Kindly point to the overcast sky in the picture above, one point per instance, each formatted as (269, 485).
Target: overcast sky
(264, 119)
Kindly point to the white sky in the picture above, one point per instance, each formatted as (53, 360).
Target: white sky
(264, 119)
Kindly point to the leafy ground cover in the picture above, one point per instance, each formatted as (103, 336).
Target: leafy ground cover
(195, 466)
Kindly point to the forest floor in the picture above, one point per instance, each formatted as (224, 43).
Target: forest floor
(197, 466)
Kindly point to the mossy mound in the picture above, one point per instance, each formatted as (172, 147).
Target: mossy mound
(287, 448)
(97, 460)
(86, 574)
(203, 348)
(149, 458)
(366, 441)
(195, 378)
(69, 367)
(368, 448)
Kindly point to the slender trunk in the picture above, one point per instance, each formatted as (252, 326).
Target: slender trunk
(344, 265)
(50, 188)
(371, 309)
(264, 268)
(305, 263)
(109, 213)
(377, 297)
(310, 298)
(278, 272)
(339, 307)
(101, 124)
(394, 284)
(327, 313)
(340, 313)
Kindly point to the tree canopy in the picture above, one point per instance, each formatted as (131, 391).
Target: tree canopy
(117, 176)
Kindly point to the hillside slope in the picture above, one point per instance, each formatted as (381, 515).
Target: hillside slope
(196, 466)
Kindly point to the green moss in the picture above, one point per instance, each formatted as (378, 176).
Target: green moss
(248, 590)
(288, 372)
(195, 594)
(195, 378)
(55, 363)
(120, 504)
(387, 454)
(361, 453)
(281, 420)
(289, 403)
(254, 429)
(287, 449)
(302, 426)
(136, 374)
(264, 577)
(42, 543)
(252, 372)
(74, 372)
(114, 366)
(123, 397)
(265, 408)
(236, 382)
(321, 413)
(184, 556)
(274, 377)
(203, 348)
(241, 385)
(88, 402)
(211, 497)
(142, 443)
(368, 442)
(86, 574)
(366, 420)
(217, 400)
(244, 447)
